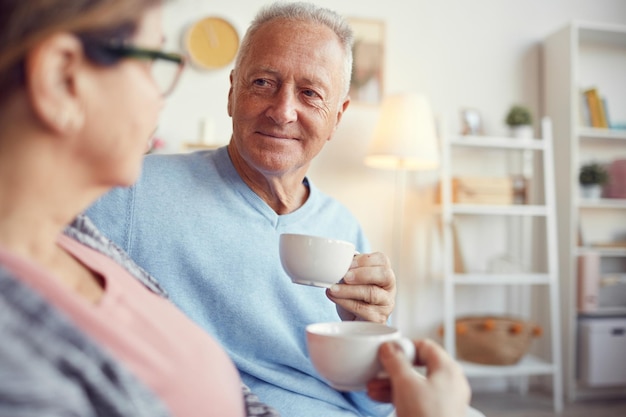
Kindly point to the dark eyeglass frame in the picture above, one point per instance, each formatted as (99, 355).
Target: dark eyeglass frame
(110, 52)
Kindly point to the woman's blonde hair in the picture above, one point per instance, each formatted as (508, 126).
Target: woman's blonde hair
(25, 23)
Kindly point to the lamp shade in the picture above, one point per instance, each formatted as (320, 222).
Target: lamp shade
(404, 137)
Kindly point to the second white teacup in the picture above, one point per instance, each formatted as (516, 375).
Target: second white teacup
(314, 260)
(346, 353)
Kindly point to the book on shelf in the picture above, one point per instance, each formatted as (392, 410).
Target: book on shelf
(595, 108)
(588, 278)
(585, 116)
(605, 109)
(616, 186)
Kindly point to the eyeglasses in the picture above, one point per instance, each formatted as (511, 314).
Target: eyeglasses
(166, 67)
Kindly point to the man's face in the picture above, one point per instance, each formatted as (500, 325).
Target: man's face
(286, 96)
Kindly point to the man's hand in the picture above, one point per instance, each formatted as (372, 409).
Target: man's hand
(368, 290)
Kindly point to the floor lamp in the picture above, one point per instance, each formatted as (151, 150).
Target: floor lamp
(404, 140)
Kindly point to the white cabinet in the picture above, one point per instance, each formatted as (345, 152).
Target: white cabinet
(592, 232)
(506, 250)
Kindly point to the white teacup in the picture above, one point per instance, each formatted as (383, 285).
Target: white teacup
(314, 260)
(346, 353)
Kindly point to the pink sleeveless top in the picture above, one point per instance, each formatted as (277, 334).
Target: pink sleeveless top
(185, 367)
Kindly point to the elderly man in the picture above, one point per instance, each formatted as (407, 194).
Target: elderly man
(207, 224)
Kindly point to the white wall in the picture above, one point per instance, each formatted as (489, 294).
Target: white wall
(483, 54)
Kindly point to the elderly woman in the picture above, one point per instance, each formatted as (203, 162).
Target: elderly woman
(84, 331)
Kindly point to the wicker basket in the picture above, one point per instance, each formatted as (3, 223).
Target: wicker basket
(493, 340)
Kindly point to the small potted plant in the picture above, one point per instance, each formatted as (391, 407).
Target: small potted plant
(520, 119)
(592, 178)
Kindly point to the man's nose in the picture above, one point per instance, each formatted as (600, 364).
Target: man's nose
(284, 106)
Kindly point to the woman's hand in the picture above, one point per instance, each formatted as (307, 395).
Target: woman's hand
(443, 392)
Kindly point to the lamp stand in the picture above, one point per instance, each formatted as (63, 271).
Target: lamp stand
(404, 139)
(398, 235)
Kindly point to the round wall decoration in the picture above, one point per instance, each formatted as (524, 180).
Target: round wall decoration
(211, 42)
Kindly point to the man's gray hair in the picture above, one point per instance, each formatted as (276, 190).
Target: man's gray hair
(307, 12)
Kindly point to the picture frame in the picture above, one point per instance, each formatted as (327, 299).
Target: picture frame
(471, 122)
(366, 85)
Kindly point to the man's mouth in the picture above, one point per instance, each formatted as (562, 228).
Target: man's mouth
(277, 135)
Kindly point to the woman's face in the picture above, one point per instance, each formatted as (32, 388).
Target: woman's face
(122, 110)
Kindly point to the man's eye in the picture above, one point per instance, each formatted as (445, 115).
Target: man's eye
(261, 82)
(310, 93)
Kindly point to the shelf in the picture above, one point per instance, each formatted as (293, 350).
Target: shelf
(500, 279)
(592, 133)
(603, 203)
(528, 365)
(602, 251)
(516, 240)
(604, 312)
(601, 33)
(502, 210)
(498, 142)
(578, 56)
(196, 146)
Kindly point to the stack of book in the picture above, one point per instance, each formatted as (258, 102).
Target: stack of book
(482, 190)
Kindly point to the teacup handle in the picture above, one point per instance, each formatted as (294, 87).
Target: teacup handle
(409, 350)
(408, 347)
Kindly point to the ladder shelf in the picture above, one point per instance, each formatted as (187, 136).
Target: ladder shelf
(545, 211)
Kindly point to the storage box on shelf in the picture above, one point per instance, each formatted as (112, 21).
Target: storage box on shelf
(581, 57)
(602, 347)
(524, 227)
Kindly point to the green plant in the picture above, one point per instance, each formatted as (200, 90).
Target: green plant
(593, 173)
(518, 116)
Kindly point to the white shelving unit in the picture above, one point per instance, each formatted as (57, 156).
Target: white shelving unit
(542, 208)
(579, 56)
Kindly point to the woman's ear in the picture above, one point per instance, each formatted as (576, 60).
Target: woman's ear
(52, 70)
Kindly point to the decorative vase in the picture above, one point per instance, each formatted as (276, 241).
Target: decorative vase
(591, 191)
(522, 131)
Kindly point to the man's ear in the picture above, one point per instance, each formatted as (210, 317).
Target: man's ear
(342, 108)
(51, 72)
(230, 94)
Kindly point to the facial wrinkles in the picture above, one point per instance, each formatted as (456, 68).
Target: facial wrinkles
(302, 61)
(317, 65)
(310, 59)
(294, 92)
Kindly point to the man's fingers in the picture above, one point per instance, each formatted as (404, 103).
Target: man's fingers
(369, 294)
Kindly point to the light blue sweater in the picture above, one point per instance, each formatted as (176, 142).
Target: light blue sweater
(212, 244)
